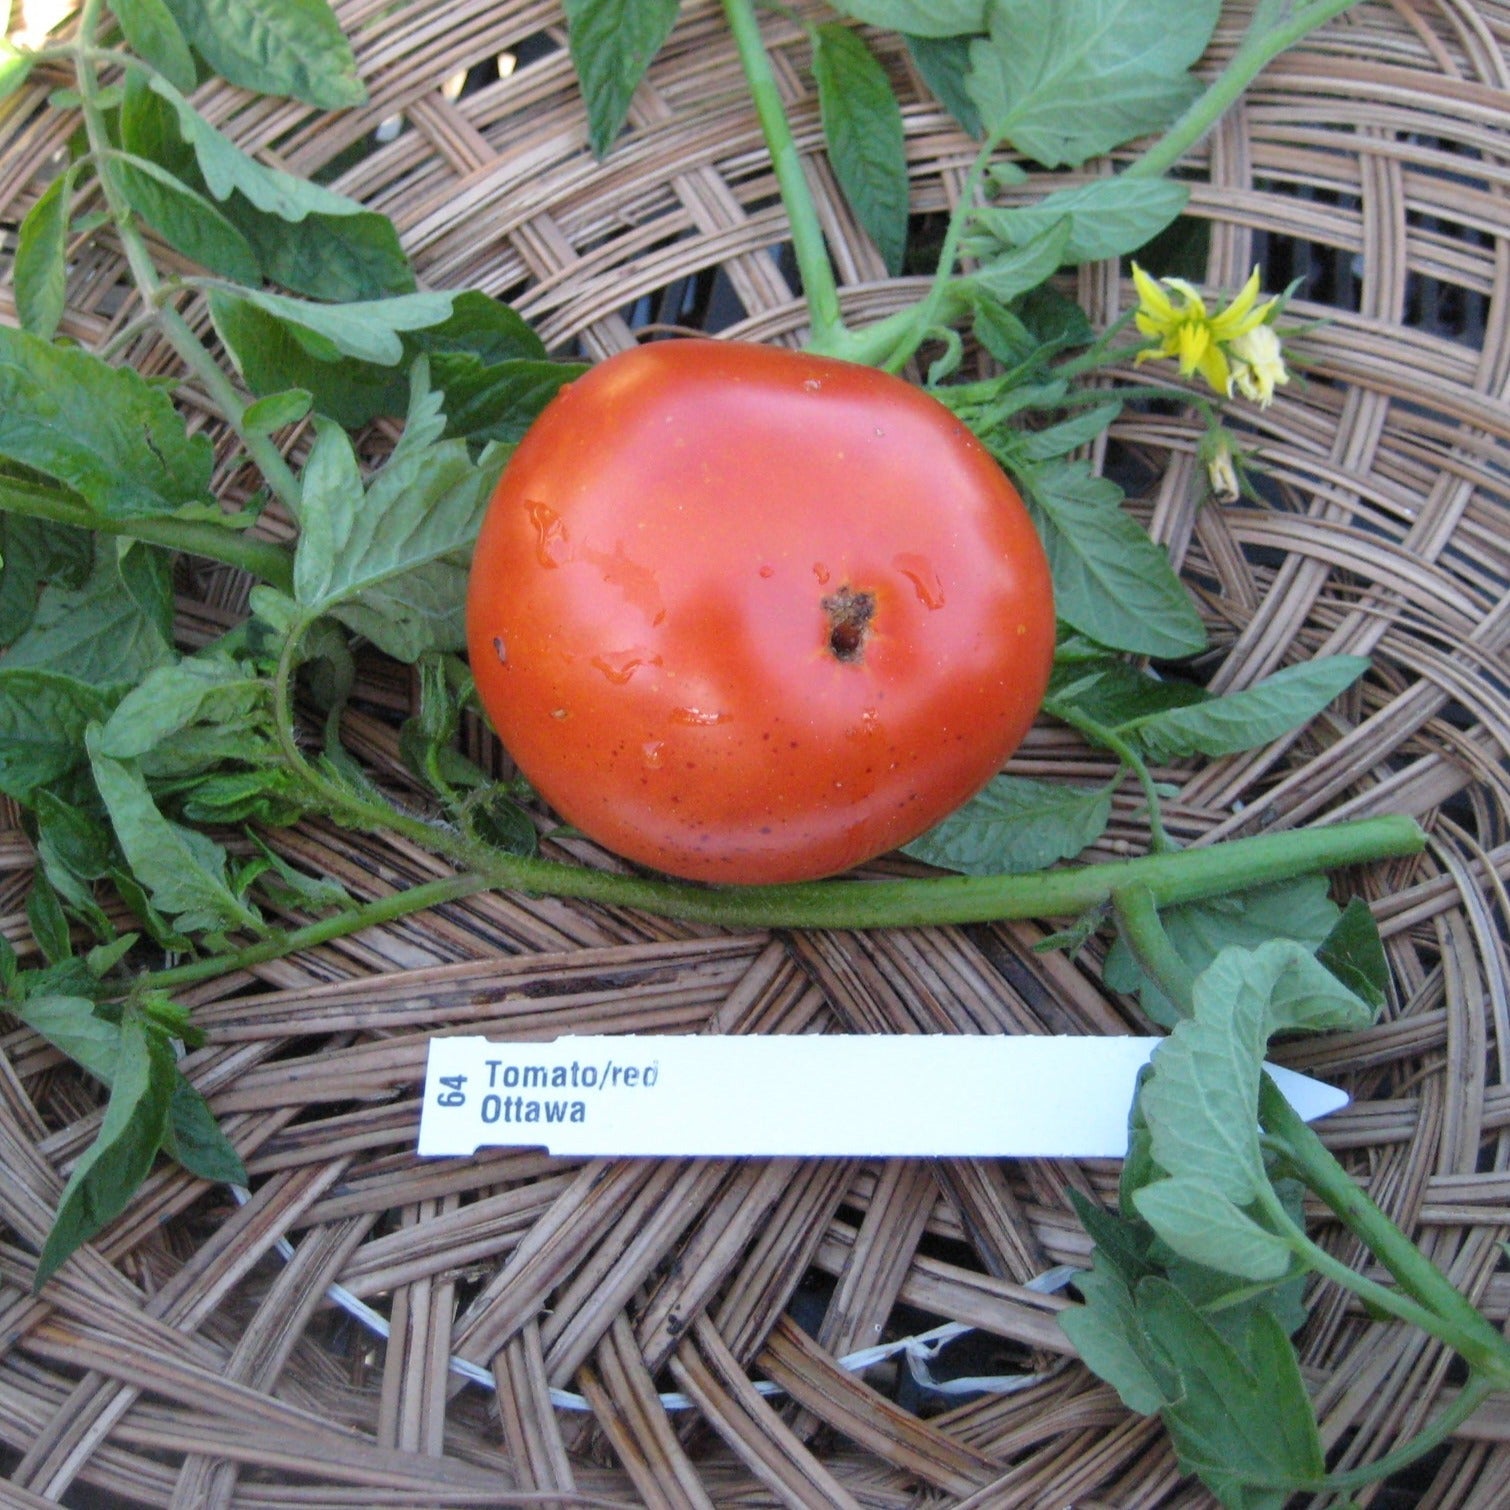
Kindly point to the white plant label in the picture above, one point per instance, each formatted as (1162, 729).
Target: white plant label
(800, 1096)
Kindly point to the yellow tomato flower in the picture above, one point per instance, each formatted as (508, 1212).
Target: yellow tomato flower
(1258, 364)
(1200, 341)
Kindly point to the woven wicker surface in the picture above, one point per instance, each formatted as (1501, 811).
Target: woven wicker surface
(183, 1360)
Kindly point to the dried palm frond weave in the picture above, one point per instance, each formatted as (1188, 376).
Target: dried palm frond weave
(187, 1359)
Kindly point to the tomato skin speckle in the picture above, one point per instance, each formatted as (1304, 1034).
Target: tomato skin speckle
(882, 661)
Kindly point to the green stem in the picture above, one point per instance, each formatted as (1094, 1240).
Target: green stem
(1315, 1257)
(1184, 876)
(1109, 739)
(817, 272)
(340, 925)
(264, 559)
(1138, 923)
(1433, 1434)
(1480, 1344)
(1267, 37)
(937, 306)
(190, 349)
(1180, 876)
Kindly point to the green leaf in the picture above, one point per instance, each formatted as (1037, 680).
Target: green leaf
(187, 221)
(862, 126)
(33, 551)
(492, 815)
(1123, 1243)
(944, 63)
(1139, 1168)
(47, 920)
(1244, 720)
(334, 250)
(106, 1177)
(1354, 953)
(1240, 1415)
(268, 797)
(367, 330)
(288, 47)
(71, 1024)
(227, 169)
(1108, 217)
(74, 850)
(102, 430)
(272, 361)
(15, 68)
(613, 43)
(183, 871)
(1113, 693)
(1298, 992)
(39, 273)
(193, 1138)
(1111, 581)
(392, 563)
(498, 402)
(98, 633)
(490, 364)
(483, 328)
(277, 411)
(1015, 825)
(1020, 269)
(1300, 910)
(1199, 1222)
(1201, 1100)
(1064, 80)
(1107, 1335)
(43, 715)
(153, 34)
(172, 697)
(343, 257)
(922, 18)
(1069, 435)
(296, 889)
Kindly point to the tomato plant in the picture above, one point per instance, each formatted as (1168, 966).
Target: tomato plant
(744, 614)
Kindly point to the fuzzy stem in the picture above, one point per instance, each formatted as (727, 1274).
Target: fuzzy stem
(264, 559)
(1184, 876)
(1461, 1325)
(180, 334)
(340, 925)
(1138, 923)
(817, 272)
(1109, 739)
(1315, 1257)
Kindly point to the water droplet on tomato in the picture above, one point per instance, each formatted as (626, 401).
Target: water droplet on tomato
(700, 718)
(552, 547)
(653, 753)
(812, 385)
(925, 581)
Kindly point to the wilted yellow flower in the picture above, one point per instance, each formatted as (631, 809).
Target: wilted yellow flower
(1258, 364)
(1199, 340)
(1222, 471)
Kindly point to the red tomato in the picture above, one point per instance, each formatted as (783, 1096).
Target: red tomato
(747, 615)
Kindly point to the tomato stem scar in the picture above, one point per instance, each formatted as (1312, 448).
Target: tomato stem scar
(849, 615)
